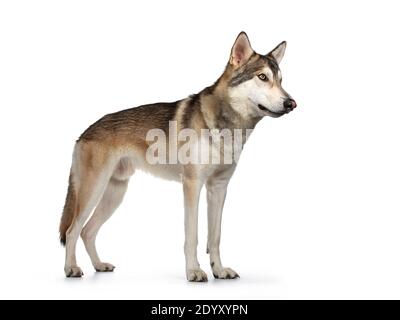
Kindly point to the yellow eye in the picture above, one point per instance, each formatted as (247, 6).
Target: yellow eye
(263, 77)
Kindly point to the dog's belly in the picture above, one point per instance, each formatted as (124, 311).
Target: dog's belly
(164, 171)
(128, 159)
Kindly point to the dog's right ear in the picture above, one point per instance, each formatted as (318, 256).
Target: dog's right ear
(241, 51)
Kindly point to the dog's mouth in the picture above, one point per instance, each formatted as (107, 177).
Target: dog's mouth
(271, 113)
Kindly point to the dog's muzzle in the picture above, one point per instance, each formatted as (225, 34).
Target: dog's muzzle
(288, 105)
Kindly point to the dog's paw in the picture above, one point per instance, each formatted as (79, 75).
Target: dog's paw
(196, 275)
(104, 267)
(225, 273)
(73, 272)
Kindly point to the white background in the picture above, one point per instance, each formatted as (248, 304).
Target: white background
(313, 209)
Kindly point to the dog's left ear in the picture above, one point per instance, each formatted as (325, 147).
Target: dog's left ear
(241, 50)
(278, 52)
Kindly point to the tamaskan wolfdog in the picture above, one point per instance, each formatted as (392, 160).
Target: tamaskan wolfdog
(196, 141)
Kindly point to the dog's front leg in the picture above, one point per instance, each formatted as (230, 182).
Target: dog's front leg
(191, 190)
(216, 193)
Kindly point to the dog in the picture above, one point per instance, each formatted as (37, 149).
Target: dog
(107, 154)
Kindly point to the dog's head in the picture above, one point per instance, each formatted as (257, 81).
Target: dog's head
(255, 81)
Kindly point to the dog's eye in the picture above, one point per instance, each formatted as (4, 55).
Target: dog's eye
(263, 77)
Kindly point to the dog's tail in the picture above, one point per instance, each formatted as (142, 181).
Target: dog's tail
(69, 210)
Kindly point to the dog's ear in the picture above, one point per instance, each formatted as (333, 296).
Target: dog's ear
(278, 52)
(241, 50)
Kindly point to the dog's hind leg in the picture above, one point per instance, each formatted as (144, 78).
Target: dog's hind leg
(91, 173)
(110, 201)
(112, 198)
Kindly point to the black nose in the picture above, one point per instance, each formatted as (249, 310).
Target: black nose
(289, 104)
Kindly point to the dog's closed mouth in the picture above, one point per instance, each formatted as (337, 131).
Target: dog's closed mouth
(262, 108)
